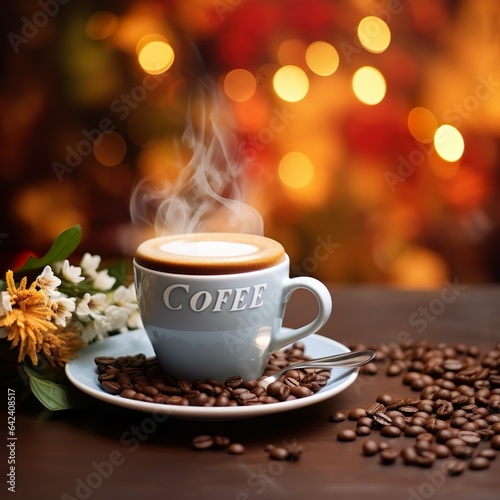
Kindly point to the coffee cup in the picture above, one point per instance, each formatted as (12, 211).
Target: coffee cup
(212, 304)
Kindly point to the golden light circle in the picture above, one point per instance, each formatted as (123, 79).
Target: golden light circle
(291, 52)
(374, 34)
(296, 170)
(101, 25)
(291, 83)
(109, 148)
(369, 85)
(155, 54)
(322, 58)
(422, 124)
(240, 85)
(449, 143)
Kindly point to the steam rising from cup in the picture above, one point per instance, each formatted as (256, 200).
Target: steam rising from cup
(209, 191)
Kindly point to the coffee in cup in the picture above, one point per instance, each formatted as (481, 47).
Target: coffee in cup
(212, 304)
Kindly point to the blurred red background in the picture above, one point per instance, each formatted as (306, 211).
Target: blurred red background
(365, 132)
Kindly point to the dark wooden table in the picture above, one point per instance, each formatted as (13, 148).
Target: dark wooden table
(94, 454)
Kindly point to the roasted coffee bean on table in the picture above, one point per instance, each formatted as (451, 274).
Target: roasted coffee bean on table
(135, 377)
(454, 417)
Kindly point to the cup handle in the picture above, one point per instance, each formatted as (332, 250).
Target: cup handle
(324, 299)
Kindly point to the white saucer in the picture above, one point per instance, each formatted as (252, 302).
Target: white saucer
(83, 374)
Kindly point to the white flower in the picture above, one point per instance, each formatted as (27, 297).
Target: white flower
(63, 307)
(5, 305)
(125, 297)
(134, 321)
(95, 329)
(70, 273)
(103, 281)
(47, 282)
(91, 306)
(116, 317)
(89, 264)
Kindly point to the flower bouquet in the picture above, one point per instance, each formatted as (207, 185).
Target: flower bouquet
(49, 309)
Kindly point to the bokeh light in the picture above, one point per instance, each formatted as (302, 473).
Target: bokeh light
(101, 25)
(110, 149)
(322, 58)
(449, 143)
(155, 54)
(422, 124)
(296, 170)
(369, 85)
(374, 34)
(240, 85)
(291, 52)
(291, 83)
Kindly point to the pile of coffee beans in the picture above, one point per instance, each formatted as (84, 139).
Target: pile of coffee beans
(141, 379)
(455, 416)
(207, 442)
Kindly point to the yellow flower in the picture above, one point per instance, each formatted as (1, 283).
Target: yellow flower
(29, 321)
(60, 347)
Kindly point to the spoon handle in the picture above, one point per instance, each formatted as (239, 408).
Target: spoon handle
(352, 359)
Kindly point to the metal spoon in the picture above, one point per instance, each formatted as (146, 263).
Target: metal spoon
(348, 359)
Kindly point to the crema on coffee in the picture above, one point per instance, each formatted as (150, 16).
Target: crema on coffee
(209, 253)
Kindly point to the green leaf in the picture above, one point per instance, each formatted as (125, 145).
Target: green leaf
(53, 396)
(63, 246)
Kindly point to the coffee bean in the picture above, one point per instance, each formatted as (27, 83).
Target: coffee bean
(356, 414)
(454, 365)
(128, 393)
(388, 456)
(375, 408)
(382, 419)
(471, 438)
(462, 452)
(221, 442)
(278, 453)
(385, 399)
(300, 391)
(235, 449)
(370, 448)
(278, 390)
(444, 410)
(150, 391)
(346, 435)
(104, 360)
(479, 463)
(455, 467)
(390, 431)
(413, 430)
(111, 387)
(400, 422)
(202, 442)
(425, 458)
(394, 405)
(409, 455)
(487, 453)
(365, 422)
(454, 442)
(363, 430)
(337, 416)
(441, 450)
(233, 382)
(408, 410)
(393, 370)
(495, 442)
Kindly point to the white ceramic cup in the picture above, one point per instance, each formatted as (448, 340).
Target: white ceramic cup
(213, 304)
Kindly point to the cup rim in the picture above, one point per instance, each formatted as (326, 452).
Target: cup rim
(207, 277)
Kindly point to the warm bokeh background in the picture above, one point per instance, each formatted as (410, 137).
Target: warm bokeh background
(328, 121)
